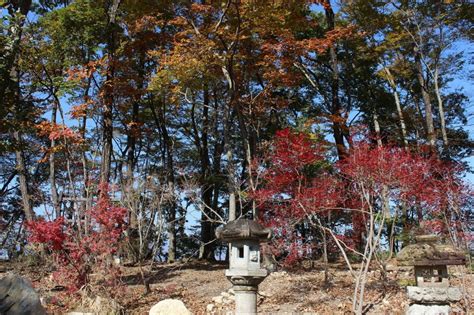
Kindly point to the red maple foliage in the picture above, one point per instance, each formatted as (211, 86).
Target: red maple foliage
(300, 183)
(77, 256)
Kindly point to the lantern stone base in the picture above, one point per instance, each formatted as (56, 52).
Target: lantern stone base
(420, 309)
(427, 295)
(432, 301)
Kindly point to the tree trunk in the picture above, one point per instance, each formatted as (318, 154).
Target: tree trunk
(171, 229)
(401, 119)
(108, 101)
(22, 174)
(11, 97)
(431, 136)
(440, 107)
(52, 167)
(107, 137)
(338, 121)
(206, 250)
(384, 197)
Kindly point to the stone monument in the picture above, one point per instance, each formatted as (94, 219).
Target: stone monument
(432, 293)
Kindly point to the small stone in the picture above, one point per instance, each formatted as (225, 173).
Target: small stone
(231, 291)
(102, 305)
(218, 299)
(210, 308)
(225, 294)
(279, 274)
(169, 306)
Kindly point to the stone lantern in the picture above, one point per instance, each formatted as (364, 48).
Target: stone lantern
(430, 259)
(244, 270)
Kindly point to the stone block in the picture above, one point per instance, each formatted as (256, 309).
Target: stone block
(434, 295)
(419, 309)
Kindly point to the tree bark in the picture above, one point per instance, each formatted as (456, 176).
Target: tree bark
(23, 177)
(338, 121)
(206, 250)
(10, 95)
(431, 136)
(440, 107)
(108, 101)
(52, 167)
(171, 225)
(401, 119)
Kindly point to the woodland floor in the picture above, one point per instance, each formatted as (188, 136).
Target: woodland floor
(283, 292)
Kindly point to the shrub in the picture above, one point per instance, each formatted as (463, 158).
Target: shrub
(79, 254)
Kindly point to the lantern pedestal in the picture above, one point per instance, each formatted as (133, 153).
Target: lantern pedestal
(245, 299)
(246, 287)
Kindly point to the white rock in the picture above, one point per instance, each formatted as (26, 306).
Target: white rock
(218, 299)
(231, 291)
(225, 294)
(279, 274)
(169, 307)
(210, 308)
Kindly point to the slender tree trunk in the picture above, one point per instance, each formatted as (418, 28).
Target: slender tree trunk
(168, 157)
(52, 167)
(385, 200)
(85, 205)
(377, 129)
(108, 101)
(440, 107)
(131, 143)
(401, 119)
(431, 136)
(107, 137)
(338, 123)
(171, 226)
(10, 96)
(206, 250)
(23, 177)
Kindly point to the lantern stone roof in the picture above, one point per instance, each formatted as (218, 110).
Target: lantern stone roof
(243, 229)
(427, 251)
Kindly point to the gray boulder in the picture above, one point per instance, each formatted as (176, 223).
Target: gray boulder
(17, 297)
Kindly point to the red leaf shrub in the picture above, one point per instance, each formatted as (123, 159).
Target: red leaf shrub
(78, 255)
